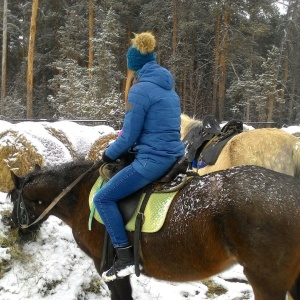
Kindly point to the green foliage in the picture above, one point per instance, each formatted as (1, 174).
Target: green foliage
(64, 87)
(106, 76)
(255, 92)
(72, 91)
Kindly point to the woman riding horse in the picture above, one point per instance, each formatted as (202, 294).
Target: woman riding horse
(152, 127)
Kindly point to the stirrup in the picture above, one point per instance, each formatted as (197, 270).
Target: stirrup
(113, 274)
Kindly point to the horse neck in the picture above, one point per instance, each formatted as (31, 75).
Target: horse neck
(76, 199)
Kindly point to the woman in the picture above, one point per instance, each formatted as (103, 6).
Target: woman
(152, 127)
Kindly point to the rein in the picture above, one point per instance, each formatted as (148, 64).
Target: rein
(52, 204)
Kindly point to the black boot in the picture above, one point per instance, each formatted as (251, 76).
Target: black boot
(123, 266)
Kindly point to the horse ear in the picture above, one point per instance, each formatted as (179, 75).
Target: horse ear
(16, 180)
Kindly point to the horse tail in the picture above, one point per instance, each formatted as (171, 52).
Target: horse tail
(296, 159)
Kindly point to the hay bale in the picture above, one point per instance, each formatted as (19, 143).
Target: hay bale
(100, 145)
(23, 146)
(77, 138)
(62, 137)
(53, 151)
(4, 127)
(17, 154)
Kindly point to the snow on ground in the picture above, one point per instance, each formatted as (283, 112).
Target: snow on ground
(53, 268)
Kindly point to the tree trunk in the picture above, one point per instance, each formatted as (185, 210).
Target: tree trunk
(284, 51)
(285, 73)
(248, 104)
(270, 108)
(175, 31)
(127, 83)
(31, 44)
(291, 102)
(223, 61)
(183, 93)
(91, 36)
(216, 65)
(4, 57)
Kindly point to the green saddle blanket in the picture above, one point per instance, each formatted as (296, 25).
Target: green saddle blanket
(154, 215)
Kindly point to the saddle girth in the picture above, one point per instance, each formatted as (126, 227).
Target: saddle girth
(138, 229)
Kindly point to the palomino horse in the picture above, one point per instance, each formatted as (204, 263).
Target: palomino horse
(270, 148)
(247, 215)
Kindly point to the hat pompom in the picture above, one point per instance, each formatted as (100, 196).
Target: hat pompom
(141, 51)
(144, 42)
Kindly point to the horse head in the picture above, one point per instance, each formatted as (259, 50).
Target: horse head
(27, 203)
(38, 194)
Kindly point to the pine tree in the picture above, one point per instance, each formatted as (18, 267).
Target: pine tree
(240, 96)
(268, 81)
(72, 91)
(106, 76)
(256, 99)
(17, 28)
(71, 97)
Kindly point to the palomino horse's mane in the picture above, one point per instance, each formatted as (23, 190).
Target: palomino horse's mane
(187, 123)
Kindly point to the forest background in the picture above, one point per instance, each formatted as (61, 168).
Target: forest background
(66, 59)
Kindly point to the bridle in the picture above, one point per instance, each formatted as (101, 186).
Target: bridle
(22, 212)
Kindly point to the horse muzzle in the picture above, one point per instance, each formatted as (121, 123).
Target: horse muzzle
(10, 221)
(7, 220)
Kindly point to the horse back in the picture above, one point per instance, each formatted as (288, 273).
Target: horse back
(270, 148)
(246, 215)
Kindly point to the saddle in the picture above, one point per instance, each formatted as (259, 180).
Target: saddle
(172, 181)
(199, 135)
(205, 143)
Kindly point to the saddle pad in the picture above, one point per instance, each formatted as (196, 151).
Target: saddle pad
(154, 215)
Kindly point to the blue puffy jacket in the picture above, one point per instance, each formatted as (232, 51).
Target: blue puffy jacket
(151, 124)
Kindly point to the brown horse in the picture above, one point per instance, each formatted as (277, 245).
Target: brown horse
(247, 215)
(270, 148)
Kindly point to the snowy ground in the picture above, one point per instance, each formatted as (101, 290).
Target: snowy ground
(53, 268)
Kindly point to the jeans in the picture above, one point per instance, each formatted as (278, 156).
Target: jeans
(121, 185)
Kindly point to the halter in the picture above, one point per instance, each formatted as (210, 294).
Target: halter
(22, 213)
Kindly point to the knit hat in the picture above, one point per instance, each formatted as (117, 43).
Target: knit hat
(141, 51)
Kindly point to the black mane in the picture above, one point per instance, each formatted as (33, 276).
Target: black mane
(61, 174)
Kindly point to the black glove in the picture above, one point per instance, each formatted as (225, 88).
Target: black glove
(106, 159)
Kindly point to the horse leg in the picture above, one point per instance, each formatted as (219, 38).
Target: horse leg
(265, 289)
(295, 291)
(120, 289)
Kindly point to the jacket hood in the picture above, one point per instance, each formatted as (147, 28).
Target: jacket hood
(153, 72)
